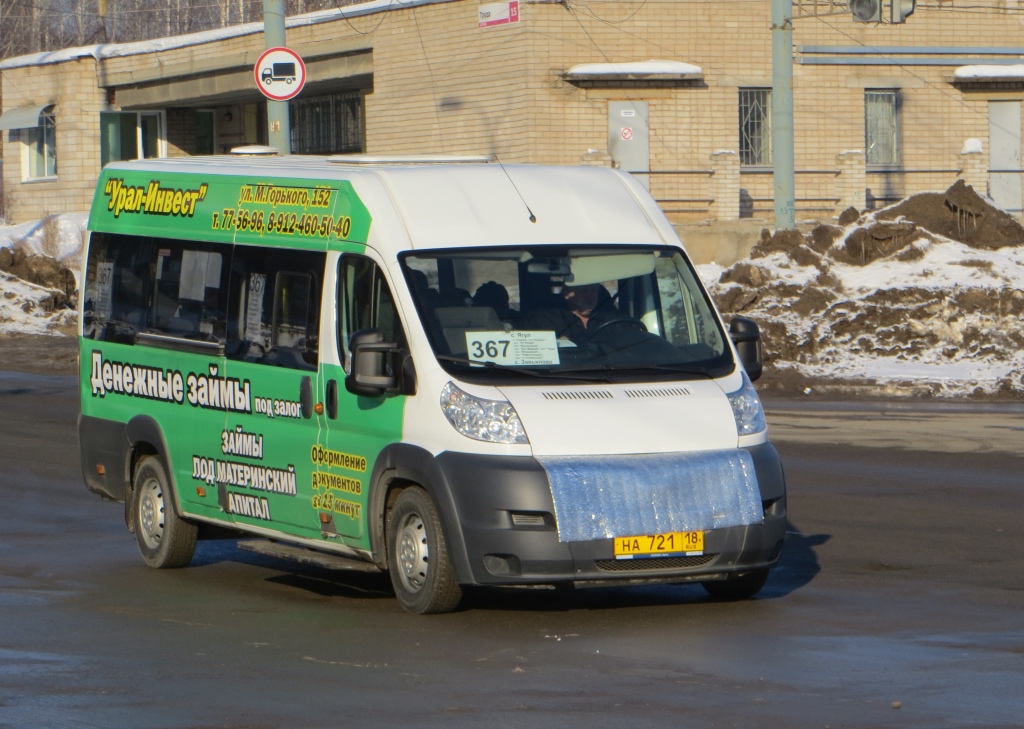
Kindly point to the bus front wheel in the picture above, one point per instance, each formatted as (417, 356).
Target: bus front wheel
(421, 571)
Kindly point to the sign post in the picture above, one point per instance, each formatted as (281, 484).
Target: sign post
(782, 114)
(278, 126)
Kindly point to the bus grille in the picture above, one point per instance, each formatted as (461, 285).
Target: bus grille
(654, 563)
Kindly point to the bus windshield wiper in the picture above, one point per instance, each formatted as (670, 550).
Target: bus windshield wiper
(678, 369)
(542, 374)
(625, 369)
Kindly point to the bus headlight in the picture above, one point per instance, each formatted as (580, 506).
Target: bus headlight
(493, 421)
(746, 408)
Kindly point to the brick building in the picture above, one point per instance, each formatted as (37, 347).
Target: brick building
(676, 91)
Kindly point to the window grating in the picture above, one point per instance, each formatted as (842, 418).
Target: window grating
(882, 127)
(331, 124)
(755, 126)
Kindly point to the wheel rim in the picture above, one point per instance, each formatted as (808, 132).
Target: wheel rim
(412, 552)
(151, 512)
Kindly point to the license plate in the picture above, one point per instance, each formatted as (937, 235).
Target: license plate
(660, 545)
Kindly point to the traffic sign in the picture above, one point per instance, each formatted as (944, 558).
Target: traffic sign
(280, 74)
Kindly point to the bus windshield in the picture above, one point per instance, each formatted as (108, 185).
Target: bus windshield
(576, 312)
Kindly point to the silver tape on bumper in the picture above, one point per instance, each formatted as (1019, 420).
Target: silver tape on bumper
(598, 497)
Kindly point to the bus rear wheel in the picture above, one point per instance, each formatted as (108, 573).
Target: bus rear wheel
(165, 539)
(418, 562)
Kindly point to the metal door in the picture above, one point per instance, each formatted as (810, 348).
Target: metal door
(1004, 138)
(628, 142)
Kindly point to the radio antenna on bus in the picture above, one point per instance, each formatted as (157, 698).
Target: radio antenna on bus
(533, 218)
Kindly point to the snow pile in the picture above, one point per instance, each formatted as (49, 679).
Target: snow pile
(29, 309)
(924, 297)
(58, 236)
(41, 251)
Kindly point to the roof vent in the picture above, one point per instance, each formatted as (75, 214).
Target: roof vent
(255, 150)
(411, 159)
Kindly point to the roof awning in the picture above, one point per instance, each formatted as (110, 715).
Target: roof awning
(990, 76)
(634, 73)
(23, 117)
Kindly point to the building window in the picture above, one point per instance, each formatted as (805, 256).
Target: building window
(41, 147)
(755, 127)
(132, 135)
(331, 124)
(882, 127)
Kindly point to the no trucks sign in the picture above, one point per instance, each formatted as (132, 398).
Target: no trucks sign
(280, 74)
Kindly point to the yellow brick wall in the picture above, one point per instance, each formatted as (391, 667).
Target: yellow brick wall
(77, 112)
(443, 85)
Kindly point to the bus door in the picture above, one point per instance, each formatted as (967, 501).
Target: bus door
(358, 427)
(265, 468)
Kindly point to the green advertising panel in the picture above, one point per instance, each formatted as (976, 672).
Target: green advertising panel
(204, 299)
(277, 211)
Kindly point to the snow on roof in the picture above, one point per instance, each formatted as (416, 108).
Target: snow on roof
(115, 50)
(1012, 72)
(972, 145)
(635, 68)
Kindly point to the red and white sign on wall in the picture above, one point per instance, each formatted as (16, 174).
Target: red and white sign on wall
(498, 14)
(280, 74)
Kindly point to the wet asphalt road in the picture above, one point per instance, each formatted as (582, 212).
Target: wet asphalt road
(899, 602)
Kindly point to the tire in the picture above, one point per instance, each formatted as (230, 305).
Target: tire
(737, 588)
(165, 539)
(418, 563)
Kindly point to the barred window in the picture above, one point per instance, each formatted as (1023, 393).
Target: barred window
(331, 124)
(882, 127)
(755, 127)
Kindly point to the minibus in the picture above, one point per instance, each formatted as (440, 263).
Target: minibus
(452, 370)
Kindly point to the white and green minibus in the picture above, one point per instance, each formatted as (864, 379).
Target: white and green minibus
(451, 370)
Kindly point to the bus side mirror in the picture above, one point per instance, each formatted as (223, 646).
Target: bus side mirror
(370, 375)
(745, 334)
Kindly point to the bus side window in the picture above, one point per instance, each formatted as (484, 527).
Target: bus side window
(161, 286)
(274, 316)
(116, 288)
(365, 302)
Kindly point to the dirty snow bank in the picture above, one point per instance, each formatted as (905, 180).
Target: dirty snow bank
(889, 302)
(27, 308)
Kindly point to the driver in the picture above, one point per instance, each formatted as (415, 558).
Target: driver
(581, 301)
(589, 308)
